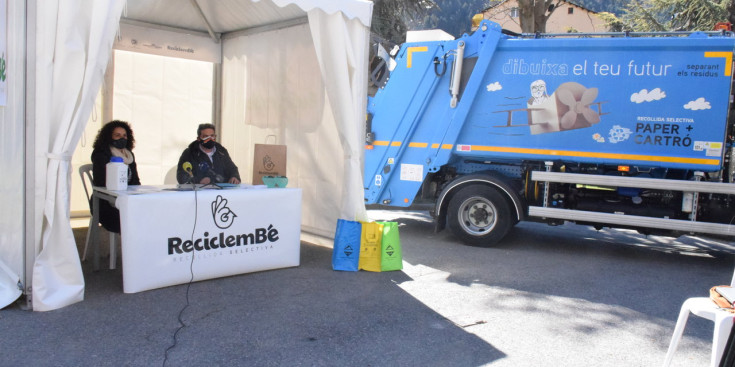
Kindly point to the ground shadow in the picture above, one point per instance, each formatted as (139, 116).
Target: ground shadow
(306, 315)
(551, 270)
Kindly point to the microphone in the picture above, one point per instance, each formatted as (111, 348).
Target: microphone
(187, 167)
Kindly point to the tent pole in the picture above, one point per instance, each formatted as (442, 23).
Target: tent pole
(29, 188)
(215, 36)
(108, 90)
(217, 95)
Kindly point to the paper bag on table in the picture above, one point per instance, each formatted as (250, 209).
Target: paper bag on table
(268, 160)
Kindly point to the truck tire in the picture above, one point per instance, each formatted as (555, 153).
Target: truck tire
(479, 215)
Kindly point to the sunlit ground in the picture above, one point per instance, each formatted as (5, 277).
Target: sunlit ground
(547, 292)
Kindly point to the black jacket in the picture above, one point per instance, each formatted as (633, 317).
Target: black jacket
(100, 158)
(219, 169)
(109, 216)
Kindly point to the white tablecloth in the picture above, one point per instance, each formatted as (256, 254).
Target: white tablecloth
(228, 232)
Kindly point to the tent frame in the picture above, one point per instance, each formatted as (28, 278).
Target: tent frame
(42, 58)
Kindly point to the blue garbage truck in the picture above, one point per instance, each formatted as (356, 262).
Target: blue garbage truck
(618, 130)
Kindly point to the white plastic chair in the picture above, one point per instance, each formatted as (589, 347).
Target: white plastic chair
(704, 307)
(85, 172)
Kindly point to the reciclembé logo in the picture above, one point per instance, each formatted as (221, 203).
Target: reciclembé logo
(223, 218)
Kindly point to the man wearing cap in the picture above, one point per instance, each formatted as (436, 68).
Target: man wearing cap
(205, 161)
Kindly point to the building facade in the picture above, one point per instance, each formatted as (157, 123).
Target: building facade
(566, 17)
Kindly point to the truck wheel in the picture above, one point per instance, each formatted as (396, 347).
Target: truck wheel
(479, 215)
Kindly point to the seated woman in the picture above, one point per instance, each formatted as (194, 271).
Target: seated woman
(115, 139)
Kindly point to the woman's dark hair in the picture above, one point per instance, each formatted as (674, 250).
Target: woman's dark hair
(104, 136)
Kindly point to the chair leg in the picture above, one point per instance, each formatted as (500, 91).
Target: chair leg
(86, 242)
(113, 251)
(678, 331)
(723, 325)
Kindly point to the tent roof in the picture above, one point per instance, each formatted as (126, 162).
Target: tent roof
(226, 16)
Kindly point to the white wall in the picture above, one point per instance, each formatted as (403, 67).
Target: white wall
(12, 143)
(164, 99)
(271, 81)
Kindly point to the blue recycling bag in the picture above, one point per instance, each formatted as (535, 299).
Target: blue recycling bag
(346, 250)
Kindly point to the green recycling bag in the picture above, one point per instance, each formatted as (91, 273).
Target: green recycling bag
(391, 257)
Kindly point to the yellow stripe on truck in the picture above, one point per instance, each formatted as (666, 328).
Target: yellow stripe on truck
(409, 54)
(571, 153)
(726, 55)
(413, 144)
(383, 143)
(565, 153)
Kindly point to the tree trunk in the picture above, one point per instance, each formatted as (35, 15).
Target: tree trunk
(534, 13)
(526, 16)
(539, 15)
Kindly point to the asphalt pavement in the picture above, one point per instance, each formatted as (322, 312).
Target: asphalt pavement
(560, 296)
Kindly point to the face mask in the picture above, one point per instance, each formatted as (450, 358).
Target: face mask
(120, 143)
(209, 144)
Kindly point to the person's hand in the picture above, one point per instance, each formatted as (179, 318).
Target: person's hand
(205, 181)
(234, 180)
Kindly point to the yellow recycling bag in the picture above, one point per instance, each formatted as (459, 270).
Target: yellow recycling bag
(370, 240)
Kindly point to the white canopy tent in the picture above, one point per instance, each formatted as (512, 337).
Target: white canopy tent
(68, 45)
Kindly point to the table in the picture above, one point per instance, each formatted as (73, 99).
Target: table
(167, 235)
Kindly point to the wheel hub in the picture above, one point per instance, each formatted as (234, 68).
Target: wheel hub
(478, 216)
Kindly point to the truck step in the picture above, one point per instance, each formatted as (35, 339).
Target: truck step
(633, 220)
(646, 183)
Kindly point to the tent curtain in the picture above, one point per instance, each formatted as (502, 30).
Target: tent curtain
(354, 9)
(9, 291)
(74, 43)
(342, 50)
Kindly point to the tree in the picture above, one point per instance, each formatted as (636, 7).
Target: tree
(730, 8)
(675, 15)
(391, 17)
(452, 16)
(613, 23)
(610, 6)
(533, 14)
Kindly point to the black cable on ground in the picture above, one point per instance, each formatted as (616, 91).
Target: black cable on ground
(188, 286)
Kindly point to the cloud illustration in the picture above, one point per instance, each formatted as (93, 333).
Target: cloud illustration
(493, 87)
(699, 104)
(645, 96)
